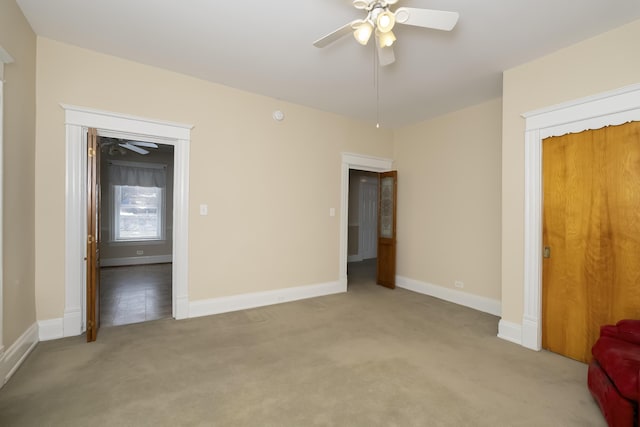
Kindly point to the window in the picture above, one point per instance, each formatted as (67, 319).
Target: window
(137, 207)
(138, 213)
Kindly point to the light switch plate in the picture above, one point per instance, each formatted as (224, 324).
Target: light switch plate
(332, 211)
(204, 209)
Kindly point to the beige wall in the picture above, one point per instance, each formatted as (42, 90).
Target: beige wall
(269, 185)
(449, 200)
(603, 63)
(17, 38)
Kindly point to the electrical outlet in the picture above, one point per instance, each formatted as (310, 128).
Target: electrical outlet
(459, 284)
(139, 252)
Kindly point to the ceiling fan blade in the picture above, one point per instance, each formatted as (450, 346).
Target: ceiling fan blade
(386, 55)
(361, 4)
(143, 144)
(339, 33)
(427, 18)
(134, 148)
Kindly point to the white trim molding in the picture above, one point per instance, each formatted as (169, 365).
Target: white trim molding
(261, 299)
(77, 121)
(510, 331)
(51, 329)
(17, 353)
(5, 58)
(594, 112)
(1, 204)
(360, 162)
(484, 304)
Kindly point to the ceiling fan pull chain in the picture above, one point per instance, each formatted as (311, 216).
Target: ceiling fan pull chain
(376, 78)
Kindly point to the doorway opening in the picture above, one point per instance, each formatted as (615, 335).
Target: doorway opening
(385, 274)
(78, 120)
(363, 228)
(136, 218)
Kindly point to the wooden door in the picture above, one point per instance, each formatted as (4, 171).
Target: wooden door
(591, 273)
(387, 200)
(93, 235)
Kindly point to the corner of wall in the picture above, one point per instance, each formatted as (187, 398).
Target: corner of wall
(486, 305)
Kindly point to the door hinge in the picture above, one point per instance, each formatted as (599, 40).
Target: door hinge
(89, 325)
(92, 152)
(546, 253)
(90, 239)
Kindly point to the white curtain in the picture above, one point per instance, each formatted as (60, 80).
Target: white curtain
(137, 174)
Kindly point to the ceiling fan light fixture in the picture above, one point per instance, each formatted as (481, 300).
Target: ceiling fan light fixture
(385, 39)
(363, 32)
(385, 21)
(381, 20)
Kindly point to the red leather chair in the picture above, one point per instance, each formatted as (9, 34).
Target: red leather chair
(614, 373)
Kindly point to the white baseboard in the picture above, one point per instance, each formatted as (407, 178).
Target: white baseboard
(260, 299)
(72, 322)
(486, 305)
(531, 335)
(343, 281)
(182, 308)
(137, 260)
(510, 331)
(51, 329)
(17, 353)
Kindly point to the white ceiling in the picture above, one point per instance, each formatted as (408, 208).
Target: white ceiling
(266, 47)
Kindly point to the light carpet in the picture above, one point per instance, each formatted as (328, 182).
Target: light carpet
(368, 357)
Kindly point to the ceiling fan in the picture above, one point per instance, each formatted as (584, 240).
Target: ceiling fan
(380, 21)
(118, 146)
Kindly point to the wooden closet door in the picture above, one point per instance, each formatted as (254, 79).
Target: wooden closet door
(591, 227)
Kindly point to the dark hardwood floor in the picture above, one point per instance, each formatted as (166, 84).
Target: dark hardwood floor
(133, 294)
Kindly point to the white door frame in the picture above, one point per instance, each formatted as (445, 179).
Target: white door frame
(77, 121)
(610, 108)
(1, 209)
(361, 162)
(5, 58)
